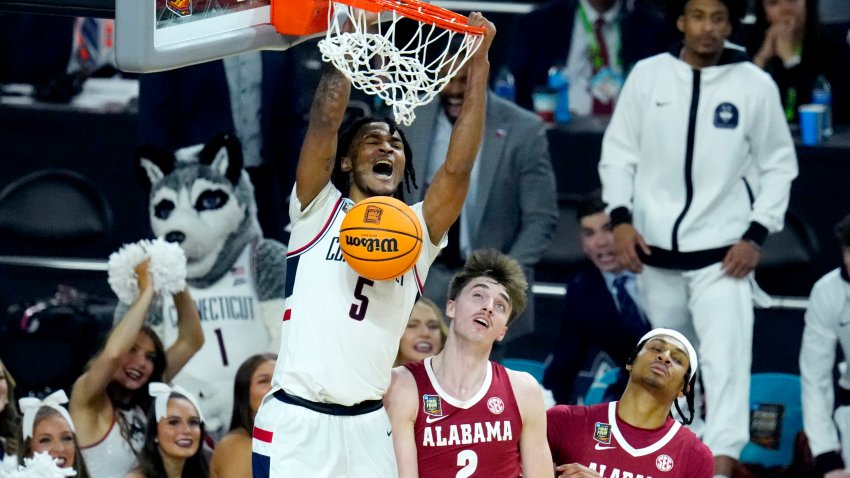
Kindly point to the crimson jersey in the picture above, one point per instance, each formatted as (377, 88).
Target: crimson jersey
(474, 438)
(596, 438)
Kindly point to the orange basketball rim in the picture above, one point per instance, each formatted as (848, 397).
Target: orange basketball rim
(306, 17)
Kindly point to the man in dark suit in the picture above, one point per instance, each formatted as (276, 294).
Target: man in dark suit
(601, 311)
(595, 69)
(190, 105)
(511, 205)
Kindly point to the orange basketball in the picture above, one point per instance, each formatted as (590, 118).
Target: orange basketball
(381, 238)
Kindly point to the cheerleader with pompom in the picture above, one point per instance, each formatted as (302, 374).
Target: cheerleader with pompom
(47, 427)
(109, 401)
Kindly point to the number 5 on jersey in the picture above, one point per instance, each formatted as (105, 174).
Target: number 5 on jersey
(358, 309)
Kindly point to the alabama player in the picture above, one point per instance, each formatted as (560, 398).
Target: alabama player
(635, 437)
(324, 417)
(458, 414)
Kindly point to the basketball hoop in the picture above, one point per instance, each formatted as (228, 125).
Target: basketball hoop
(403, 76)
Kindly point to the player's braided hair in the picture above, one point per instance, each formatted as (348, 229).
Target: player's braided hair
(687, 388)
(340, 179)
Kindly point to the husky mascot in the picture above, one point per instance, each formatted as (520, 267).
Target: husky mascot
(202, 199)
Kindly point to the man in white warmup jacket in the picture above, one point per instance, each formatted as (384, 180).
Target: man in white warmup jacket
(828, 323)
(696, 168)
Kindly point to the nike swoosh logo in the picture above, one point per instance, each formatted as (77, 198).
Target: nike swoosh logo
(600, 447)
(430, 419)
(389, 432)
(662, 103)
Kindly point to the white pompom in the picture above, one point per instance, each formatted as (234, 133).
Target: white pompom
(167, 268)
(122, 276)
(41, 465)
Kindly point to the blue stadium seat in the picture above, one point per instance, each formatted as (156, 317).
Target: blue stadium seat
(776, 417)
(533, 367)
(598, 390)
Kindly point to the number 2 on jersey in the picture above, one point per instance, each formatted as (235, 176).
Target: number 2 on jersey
(358, 311)
(469, 461)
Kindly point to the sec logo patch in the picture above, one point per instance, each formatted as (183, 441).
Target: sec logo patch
(664, 463)
(496, 405)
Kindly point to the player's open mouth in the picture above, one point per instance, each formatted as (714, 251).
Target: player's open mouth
(482, 322)
(423, 347)
(383, 168)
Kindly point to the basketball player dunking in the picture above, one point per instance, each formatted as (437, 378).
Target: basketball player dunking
(340, 334)
(458, 413)
(635, 436)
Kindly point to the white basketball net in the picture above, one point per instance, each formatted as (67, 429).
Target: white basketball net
(404, 77)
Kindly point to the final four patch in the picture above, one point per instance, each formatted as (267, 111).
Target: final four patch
(726, 116)
(432, 405)
(602, 433)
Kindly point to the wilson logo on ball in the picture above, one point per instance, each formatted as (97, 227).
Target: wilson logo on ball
(372, 245)
(381, 238)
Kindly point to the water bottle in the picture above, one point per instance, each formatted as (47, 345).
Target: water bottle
(504, 84)
(822, 95)
(559, 82)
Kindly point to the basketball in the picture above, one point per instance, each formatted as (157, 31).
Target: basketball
(381, 238)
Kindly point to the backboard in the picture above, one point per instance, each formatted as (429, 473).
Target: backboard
(156, 35)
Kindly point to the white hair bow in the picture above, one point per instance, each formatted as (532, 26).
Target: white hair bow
(161, 392)
(31, 405)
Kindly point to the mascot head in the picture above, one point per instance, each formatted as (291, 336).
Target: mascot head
(202, 199)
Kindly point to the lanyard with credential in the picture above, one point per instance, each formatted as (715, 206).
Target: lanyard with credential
(595, 50)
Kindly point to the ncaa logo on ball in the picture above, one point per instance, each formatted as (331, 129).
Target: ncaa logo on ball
(372, 215)
(496, 405)
(664, 463)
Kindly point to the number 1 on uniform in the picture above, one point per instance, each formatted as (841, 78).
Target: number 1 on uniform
(221, 346)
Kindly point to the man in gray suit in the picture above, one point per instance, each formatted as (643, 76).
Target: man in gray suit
(511, 204)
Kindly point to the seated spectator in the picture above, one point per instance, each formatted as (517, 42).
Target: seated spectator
(789, 42)
(109, 400)
(173, 441)
(425, 334)
(601, 311)
(636, 436)
(47, 427)
(9, 420)
(826, 325)
(596, 69)
(232, 455)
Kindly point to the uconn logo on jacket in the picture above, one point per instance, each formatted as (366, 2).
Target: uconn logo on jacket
(726, 116)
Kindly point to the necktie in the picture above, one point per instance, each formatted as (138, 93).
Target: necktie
(634, 322)
(88, 44)
(600, 108)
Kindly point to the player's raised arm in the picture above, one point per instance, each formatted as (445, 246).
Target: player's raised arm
(316, 162)
(445, 196)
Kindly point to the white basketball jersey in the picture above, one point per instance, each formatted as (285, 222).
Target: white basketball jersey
(233, 331)
(341, 331)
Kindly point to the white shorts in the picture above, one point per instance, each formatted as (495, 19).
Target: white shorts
(294, 441)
